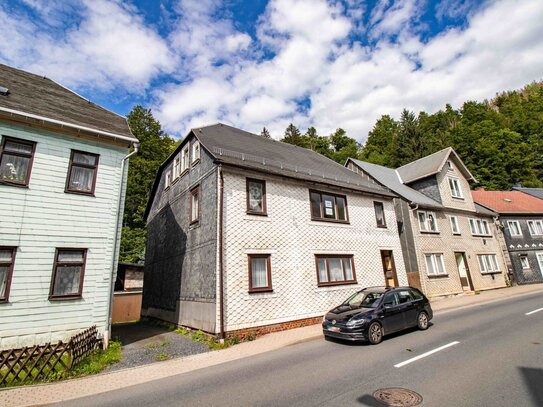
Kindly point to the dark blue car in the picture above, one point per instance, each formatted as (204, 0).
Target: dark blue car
(373, 312)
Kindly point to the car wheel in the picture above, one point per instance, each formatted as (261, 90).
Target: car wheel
(422, 321)
(375, 333)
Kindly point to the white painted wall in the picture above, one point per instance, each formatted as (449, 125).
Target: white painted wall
(292, 239)
(42, 217)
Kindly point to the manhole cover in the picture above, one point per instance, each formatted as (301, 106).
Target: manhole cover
(397, 397)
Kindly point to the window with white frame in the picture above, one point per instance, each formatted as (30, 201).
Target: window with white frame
(488, 263)
(514, 228)
(168, 180)
(195, 151)
(524, 261)
(435, 265)
(427, 221)
(454, 185)
(176, 167)
(535, 227)
(479, 227)
(449, 166)
(185, 159)
(455, 228)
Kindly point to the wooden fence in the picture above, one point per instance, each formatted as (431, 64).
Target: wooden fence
(39, 362)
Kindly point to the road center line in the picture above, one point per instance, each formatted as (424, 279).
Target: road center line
(534, 311)
(426, 354)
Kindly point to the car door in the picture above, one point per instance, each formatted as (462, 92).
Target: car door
(393, 318)
(408, 306)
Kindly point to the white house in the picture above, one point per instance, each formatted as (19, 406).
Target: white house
(62, 174)
(248, 233)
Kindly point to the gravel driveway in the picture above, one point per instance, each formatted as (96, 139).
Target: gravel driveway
(144, 343)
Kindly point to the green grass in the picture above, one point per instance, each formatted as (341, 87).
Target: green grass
(162, 356)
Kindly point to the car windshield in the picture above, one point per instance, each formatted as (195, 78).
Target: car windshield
(364, 299)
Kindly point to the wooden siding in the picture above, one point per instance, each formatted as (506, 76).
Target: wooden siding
(42, 217)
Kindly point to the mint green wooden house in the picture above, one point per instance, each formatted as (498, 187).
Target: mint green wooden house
(62, 176)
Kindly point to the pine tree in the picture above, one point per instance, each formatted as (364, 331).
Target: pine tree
(265, 133)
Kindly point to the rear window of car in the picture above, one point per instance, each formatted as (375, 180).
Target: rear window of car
(416, 294)
(404, 296)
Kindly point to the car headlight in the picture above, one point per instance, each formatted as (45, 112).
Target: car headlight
(355, 322)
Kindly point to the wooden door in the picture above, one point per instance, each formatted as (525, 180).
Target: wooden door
(389, 269)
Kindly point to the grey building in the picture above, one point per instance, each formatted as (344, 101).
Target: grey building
(521, 216)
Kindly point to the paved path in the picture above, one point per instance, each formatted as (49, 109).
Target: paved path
(71, 389)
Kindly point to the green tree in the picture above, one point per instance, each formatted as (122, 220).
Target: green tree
(293, 136)
(381, 139)
(265, 133)
(155, 147)
(343, 146)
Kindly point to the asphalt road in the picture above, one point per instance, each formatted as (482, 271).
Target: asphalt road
(492, 355)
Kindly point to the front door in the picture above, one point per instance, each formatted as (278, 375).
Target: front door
(389, 269)
(463, 271)
(393, 313)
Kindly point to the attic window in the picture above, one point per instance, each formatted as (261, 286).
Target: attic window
(4, 91)
(449, 166)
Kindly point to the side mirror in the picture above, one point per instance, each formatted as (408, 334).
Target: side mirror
(387, 305)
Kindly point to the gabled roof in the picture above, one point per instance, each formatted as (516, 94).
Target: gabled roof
(508, 202)
(38, 97)
(432, 164)
(537, 192)
(390, 179)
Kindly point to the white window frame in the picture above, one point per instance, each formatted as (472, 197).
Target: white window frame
(195, 152)
(449, 166)
(455, 187)
(176, 167)
(424, 225)
(524, 262)
(477, 225)
(455, 226)
(488, 263)
(511, 229)
(168, 179)
(535, 227)
(184, 159)
(436, 260)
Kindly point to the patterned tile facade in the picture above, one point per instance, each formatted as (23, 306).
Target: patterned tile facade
(292, 239)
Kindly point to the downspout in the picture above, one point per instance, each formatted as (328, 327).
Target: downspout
(221, 278)
(115, 247)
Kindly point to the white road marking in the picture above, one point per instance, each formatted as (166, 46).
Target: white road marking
(426, 354)
(534, 311)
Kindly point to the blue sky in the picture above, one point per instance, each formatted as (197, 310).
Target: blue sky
(322, 63)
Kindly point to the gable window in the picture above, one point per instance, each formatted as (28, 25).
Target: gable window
(259, 273)
(435, 265)
(535, 227)
(195, 205)
(427, 221)
(449, 166)
(488, 263)
(185, 159)
(455, 228)
(330, 207)
(7, 259)
(195, 152)
(454, 185)
(176, 167)
(479, 227)
(380, 214)
(82, 173)
(168, 179)
(514, 228)
(16, 159)
(335, 269)
(256, 196)
(524, 261)
(68, 273)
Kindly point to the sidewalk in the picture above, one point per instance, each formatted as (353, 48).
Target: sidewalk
(71, 389)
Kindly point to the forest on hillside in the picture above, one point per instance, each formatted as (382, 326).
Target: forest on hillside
(500, 141)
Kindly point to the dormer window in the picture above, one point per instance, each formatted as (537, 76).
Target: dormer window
(454, 185)
(195, 152)
(176, 167)
(185, 159)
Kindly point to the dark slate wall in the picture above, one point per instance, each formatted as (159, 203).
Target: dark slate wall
(429, 187)
(529, 245)
(407, 239)
(180, 259)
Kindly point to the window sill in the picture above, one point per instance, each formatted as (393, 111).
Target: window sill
(257, 213)
(459, 198)
(337, 283)
(6, 301)
(429, 232)
(260, 290)
(438, 276)
(175, 180)
(195, 163)
(13, 184)
(457, 234)
(185, 171)
(382, 227)
(194, 224)
(330, 221)
(483, 236)
(91, 194)
(490, 273)
(65, 298)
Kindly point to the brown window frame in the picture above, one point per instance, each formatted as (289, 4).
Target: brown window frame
(194, 190)
(90, 167)
(269, 287)
(332, 283)
(71, 296)
(264, 211)
(10, 265)
(322, 218)
(5, 139)
(384, 225)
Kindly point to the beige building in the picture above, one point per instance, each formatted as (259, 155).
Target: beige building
(450, 244)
